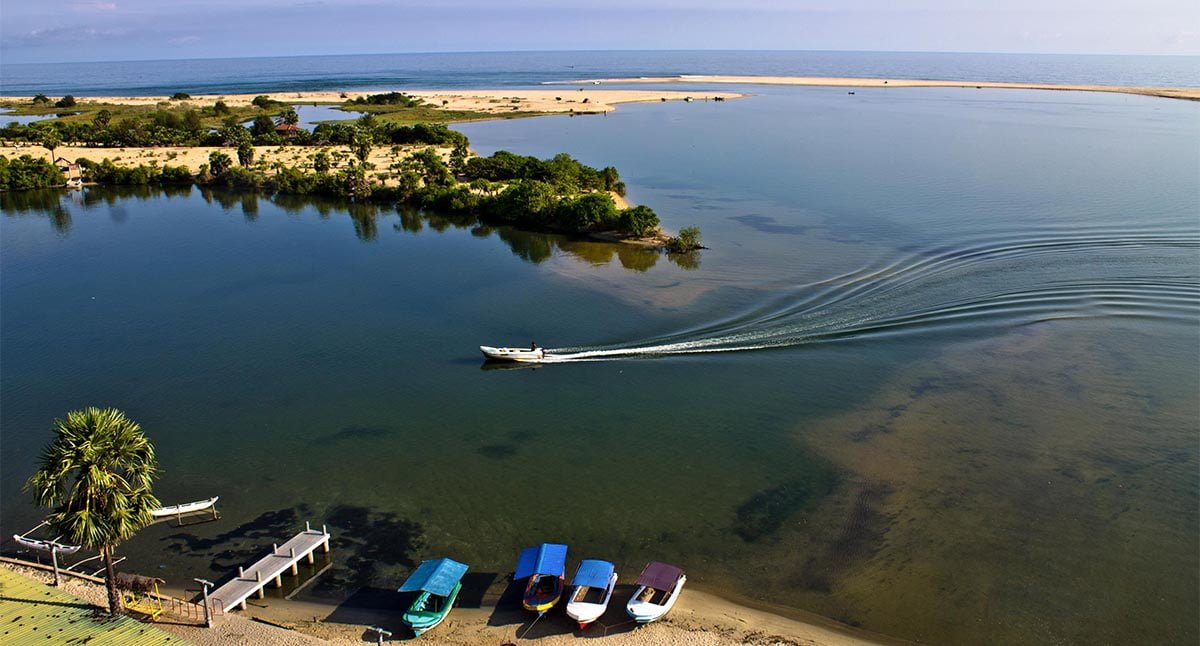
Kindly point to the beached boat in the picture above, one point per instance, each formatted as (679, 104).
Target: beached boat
(185, 508)
(659, 586)
(544, 566)
(439, 582)
(45, 546)
(593, 587)
(513, 354)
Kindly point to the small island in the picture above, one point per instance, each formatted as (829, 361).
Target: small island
(374, 158)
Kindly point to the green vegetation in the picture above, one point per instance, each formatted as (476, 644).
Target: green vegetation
(67, 101)
(109, 173)
(96, 477)
(391, 98)
(180, 96)
(688, 240)
(26, 172)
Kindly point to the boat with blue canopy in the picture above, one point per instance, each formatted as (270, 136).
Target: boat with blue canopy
(658, 588)
(439, 582)
(593, 583)
(544, 565)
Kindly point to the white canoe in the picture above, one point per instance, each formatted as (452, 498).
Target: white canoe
(185, 508)
(45, 546)
(658, 588)
(584, 611)
(513, 354)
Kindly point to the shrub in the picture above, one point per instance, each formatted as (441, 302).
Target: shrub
(67, 101)
(637, 221)
(26, 172)
(687, 240)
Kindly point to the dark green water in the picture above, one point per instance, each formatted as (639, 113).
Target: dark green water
(936, 377)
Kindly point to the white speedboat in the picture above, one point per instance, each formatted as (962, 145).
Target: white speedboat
(532, 355)
(185, 508)
(659, 586)
(45, 546)
(593, 587)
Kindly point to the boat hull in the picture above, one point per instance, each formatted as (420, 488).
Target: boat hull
(422, 621)
(540, 602)
(523, 355)
(585, 613)
(645, 612)
(45, 546)
(186, 508)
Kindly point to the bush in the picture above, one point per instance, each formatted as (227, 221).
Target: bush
(180, 96)
(390, 98)
(637, 221)
(687, 240)
(590, 212)
(41, 99)
(67, 101)
(26, 172)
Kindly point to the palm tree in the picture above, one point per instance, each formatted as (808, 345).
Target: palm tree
(96, 476)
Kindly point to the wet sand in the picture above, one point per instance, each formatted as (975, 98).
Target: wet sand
(1188, 93)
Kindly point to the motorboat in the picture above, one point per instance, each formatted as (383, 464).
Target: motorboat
(658, 588)
(439, 582)
(592, 590)
(544, 566)
(533, 354)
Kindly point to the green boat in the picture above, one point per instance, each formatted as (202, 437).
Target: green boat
(439, 582)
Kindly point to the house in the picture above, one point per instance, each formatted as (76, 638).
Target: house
(287, 129)
(72, 171)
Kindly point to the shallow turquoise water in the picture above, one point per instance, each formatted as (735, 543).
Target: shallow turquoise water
(926, 302)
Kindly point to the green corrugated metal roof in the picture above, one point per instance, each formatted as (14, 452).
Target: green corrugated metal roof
(34, 613)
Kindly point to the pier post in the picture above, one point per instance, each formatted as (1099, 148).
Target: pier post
(241, 572)
(279, 580)
(325, 543)
(310, 558)
(274, 549)
(54, 557)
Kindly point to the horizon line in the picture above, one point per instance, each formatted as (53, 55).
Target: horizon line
(551, 51)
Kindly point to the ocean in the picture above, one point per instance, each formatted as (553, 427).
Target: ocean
(504, 69)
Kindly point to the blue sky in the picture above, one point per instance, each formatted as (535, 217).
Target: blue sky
(98, 30)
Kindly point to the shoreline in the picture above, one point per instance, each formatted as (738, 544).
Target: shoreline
(700, 617)
(1185, 93)
(494, 102)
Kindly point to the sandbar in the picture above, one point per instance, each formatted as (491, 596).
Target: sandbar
(1188, 93)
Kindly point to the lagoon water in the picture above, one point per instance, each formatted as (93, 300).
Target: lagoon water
(936, 376)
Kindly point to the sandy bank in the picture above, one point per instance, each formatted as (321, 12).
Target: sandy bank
(194, 156)
(1192, 94)
(699, 618)
(490, 101)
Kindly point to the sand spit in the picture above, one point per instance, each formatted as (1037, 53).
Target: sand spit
(498, 102)
(1189, 93)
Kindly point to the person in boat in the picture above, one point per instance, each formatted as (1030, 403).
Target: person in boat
(533, 346)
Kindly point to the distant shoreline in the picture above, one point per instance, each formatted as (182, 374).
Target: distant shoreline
(1186, 93)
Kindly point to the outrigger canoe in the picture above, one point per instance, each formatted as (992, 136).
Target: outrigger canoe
(513, 354)
(593, 587)
(544, 566)
(659, 586)
(45, 546)
(439, 582)
(185, 508)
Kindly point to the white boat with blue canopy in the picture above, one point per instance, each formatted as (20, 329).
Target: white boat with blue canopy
(544, 565)
(439, 582)
(593, 583)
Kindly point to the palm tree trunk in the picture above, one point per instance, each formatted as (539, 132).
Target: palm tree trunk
(115, 607)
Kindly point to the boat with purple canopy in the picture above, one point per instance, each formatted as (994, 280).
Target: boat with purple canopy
(544, 565)
(659, 586)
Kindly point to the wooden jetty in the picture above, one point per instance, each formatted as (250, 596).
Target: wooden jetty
(270, 569)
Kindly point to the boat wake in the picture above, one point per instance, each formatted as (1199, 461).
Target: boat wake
(995, 284)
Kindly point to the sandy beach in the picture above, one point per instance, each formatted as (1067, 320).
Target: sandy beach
(194, 156)
(1189, 93)
(699, 619)
(562, 100)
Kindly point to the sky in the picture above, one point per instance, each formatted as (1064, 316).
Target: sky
(101, 30)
